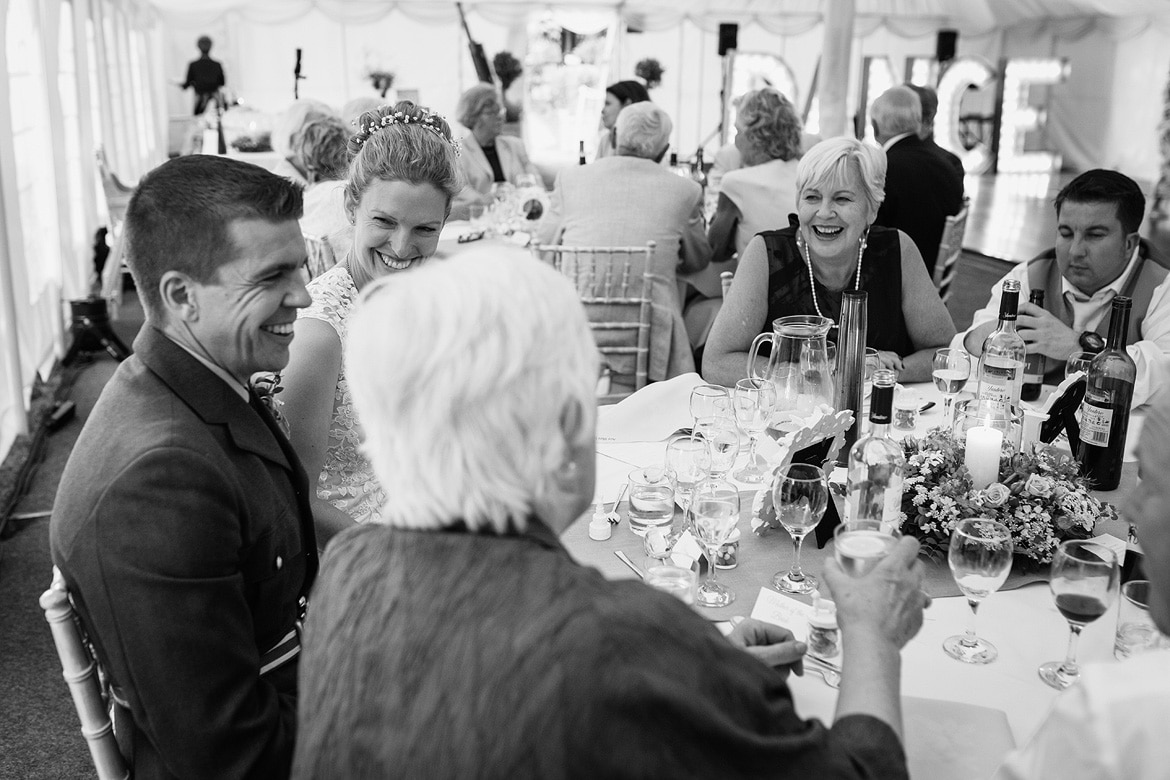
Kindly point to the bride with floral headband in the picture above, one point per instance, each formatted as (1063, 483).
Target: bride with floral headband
(403, 174)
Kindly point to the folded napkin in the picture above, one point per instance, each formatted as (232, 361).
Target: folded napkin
(651, 414)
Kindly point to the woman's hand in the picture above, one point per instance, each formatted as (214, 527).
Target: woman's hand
(770, 644)
(891, 360)
(886, 604)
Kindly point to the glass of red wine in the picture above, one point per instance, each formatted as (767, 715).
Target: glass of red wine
(1083, 579)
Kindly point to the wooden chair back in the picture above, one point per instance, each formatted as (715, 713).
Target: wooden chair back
(614, 284)
(319, 254)
(117, 197)
(949, 250)
(81, 674)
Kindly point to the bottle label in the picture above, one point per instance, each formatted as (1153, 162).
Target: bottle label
(1095, 424)
(999, 382)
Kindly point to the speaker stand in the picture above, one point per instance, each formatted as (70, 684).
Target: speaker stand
(92, 332)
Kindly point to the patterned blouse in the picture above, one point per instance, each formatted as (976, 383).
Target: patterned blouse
(346, 479)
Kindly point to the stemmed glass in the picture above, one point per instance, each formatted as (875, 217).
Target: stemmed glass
(1083, 579)
(687, 460)
(980, 557)
(951, 369)
(1078, 361)
(716, 511)
(721, 436)
(753, 401)
(703, 401)
(800, 495)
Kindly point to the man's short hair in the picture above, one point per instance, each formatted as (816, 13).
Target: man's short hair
(1104, 186)
(643, 130)
(897, 111)
(929, 100)
(179, 216)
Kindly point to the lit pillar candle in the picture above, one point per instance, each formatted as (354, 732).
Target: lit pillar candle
(981, 456)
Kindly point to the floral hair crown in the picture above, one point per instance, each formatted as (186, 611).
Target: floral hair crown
(425, 119)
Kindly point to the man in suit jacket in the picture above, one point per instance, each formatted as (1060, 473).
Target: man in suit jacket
(487, 157)
(182, 522)
(922, 189)
(929, 100)
(627, 200)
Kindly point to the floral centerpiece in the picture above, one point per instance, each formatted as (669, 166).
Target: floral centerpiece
(1041, 497)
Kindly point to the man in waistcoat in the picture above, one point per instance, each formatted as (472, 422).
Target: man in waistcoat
(182, 523)
(1098, 255)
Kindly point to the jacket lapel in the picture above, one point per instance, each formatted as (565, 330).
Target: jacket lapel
(475, 154)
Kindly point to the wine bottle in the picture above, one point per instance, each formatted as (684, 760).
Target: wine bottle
(677, 168)
(873, 487)
(1001, 365)
(699, 169)
(580, 152)
(1133, 565)
(1105, 410)
(1034, 364)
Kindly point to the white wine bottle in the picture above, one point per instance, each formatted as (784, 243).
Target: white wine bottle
(877, 466)
(1001, 365)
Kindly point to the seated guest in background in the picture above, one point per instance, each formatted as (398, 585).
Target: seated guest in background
(182, 523)
(922, 189)
(402, 178)
(488, 158)
(757, 196)
(617, 96)
(928, 98)
(1098, 255)
(321, 149)
(627, 200)
(284, 135)
(352, 111)
(458, 638)
(1111, 724)
(805, 268)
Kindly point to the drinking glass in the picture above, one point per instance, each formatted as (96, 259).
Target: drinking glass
(675, 580)
(703, 400)
(951, 370)
(1136, 630)
(1083, 580)
(872, 363)
(1078, 361)
(980, 557)
(687, 460)
(860, 545)
(651, 499)
(800, 496)
(753, 401)
(721, 436)
(716, 511)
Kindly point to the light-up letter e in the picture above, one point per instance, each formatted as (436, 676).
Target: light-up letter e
(1019, 117)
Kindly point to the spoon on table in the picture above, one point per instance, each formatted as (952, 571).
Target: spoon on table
(829, 672)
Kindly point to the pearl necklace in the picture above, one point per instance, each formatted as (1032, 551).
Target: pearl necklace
(803, 248)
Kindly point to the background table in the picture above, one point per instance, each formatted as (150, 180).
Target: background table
(1023, 623)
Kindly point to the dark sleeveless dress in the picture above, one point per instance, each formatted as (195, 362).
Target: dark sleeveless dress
(881, 277)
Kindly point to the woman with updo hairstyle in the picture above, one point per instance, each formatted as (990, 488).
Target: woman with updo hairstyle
(759, 195)
(403, 174)
(617, 96)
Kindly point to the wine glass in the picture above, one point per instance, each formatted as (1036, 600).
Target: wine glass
(951, 369)
(716, 511)
(1083, 579)
(687, 460)
(753, 401)
(1078, 361)
(873, 362)
(980, 557)
(703, 399)
(721, 436)
(800, 496)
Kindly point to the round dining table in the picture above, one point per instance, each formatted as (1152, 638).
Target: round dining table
(960, 719)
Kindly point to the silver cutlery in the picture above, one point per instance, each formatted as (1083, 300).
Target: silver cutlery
(612, 515)
(633, 566)
(829, 672)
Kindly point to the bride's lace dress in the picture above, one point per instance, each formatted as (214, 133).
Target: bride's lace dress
(346, 480)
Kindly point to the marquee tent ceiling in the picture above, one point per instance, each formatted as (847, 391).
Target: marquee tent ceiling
(972, 17)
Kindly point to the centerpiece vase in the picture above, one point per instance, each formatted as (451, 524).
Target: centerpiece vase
(851, 363)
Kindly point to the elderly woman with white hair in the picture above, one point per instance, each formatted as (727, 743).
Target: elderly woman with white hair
(627, 200)
(488, 157)
(456, 637)
(831, 247)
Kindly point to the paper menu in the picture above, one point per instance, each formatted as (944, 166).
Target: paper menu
(781, 610)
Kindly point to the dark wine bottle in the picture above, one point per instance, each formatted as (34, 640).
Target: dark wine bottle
(1105, 410)
(580, 152)
(1034, 364)
(699, 169)
(1133, 565)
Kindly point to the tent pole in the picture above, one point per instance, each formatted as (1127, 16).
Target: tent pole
(835, 60)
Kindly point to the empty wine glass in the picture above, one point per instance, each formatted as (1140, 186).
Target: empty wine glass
(721, 436)
(800, 496)
(872, 363)
(951, 369)
(1078, 361)
(980, 557)
(1083, 580)
(687, 460)
(715, 508)
(753, 401)
(703, 400)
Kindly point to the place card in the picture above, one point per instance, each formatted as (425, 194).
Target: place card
(784, 611)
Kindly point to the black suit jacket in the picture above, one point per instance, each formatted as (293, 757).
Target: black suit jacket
(922, 190)
(183, 529)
